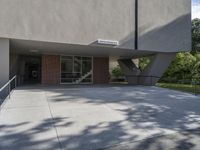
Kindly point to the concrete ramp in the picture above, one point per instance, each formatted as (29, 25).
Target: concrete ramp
(99, 117)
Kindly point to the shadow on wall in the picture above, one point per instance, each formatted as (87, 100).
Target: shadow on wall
(150, 111)
(172, 37)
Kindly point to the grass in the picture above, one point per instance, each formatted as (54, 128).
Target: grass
(180, 87)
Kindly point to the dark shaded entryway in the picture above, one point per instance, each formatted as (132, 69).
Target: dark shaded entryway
(30, 69)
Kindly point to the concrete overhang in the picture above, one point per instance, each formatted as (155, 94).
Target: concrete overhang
(28, 47)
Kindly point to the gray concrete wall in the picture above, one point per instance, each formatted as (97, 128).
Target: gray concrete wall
(4, 61)
(4, 66)
(68, 21)
(165, 25)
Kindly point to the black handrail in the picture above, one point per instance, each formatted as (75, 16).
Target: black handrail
(143, 76)
(8, 85)
(194, 84)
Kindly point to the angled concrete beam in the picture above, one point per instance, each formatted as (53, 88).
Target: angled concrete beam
(158, 65)
(131, 71)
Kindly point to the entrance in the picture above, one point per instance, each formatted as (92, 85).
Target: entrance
(30, 72)
(76, 69)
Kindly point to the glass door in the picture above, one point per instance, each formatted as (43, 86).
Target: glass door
(87, 69)
(77, 68)
(67, 69)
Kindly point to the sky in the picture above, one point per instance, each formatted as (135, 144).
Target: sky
(195, 9)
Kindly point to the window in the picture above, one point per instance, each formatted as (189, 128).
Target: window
(76, 69)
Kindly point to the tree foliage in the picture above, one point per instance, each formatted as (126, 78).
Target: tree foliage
(196, 69)
(143, 62)
(196, 35)
(185, 68)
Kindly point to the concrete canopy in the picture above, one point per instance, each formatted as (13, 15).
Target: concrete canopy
(38, 47)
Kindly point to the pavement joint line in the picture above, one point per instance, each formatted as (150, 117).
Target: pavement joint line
(53, 121)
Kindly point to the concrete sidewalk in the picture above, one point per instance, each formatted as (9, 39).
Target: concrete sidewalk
(90, 118)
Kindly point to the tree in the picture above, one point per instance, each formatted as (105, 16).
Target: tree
(181, 68)
(196, 69)
(195, 35)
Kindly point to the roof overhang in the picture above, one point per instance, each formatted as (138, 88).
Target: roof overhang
(28, 47)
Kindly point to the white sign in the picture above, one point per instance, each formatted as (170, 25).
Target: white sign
(108, 42)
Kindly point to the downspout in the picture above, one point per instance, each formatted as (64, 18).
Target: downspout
(136, 24)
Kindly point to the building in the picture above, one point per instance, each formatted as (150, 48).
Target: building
(70, 41)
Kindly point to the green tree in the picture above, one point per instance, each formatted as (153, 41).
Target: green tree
(181, 68)
(196, 69)
(195, 35)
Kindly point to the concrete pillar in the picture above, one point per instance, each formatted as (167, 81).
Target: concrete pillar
(130, 70)
(4, 61)
(158, 65)
(4, 65)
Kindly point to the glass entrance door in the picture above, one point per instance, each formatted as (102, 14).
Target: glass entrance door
(76, 69)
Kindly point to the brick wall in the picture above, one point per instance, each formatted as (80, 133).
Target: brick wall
(50, 69)
(101, 70)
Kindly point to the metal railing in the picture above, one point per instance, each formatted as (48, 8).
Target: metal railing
(8, 86)
(192, 86)
(150, 80)
(196, 86)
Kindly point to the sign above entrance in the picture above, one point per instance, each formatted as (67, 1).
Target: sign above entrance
(108, 42)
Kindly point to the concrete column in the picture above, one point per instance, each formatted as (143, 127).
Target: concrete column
(4, 66)
(4, 61)
(158, 65)
(130, 70)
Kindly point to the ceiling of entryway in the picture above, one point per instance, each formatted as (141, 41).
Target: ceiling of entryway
(39, 47)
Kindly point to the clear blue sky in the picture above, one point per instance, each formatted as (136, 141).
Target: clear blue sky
(195, 9)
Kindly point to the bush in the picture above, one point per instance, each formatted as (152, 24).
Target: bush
(196, 72)
(117, 72)
(184, 69)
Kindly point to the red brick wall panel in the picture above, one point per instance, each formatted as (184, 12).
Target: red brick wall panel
(100, 70)
(50, 69)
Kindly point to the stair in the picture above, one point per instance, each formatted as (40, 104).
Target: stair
(83, 77)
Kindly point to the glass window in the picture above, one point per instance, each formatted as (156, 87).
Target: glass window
(75, 69)
(67, 65)
(86, 66)
(77, 64)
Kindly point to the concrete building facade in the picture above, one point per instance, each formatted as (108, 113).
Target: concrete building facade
(70, 41)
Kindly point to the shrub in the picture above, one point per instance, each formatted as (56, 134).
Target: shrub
(117, 72)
